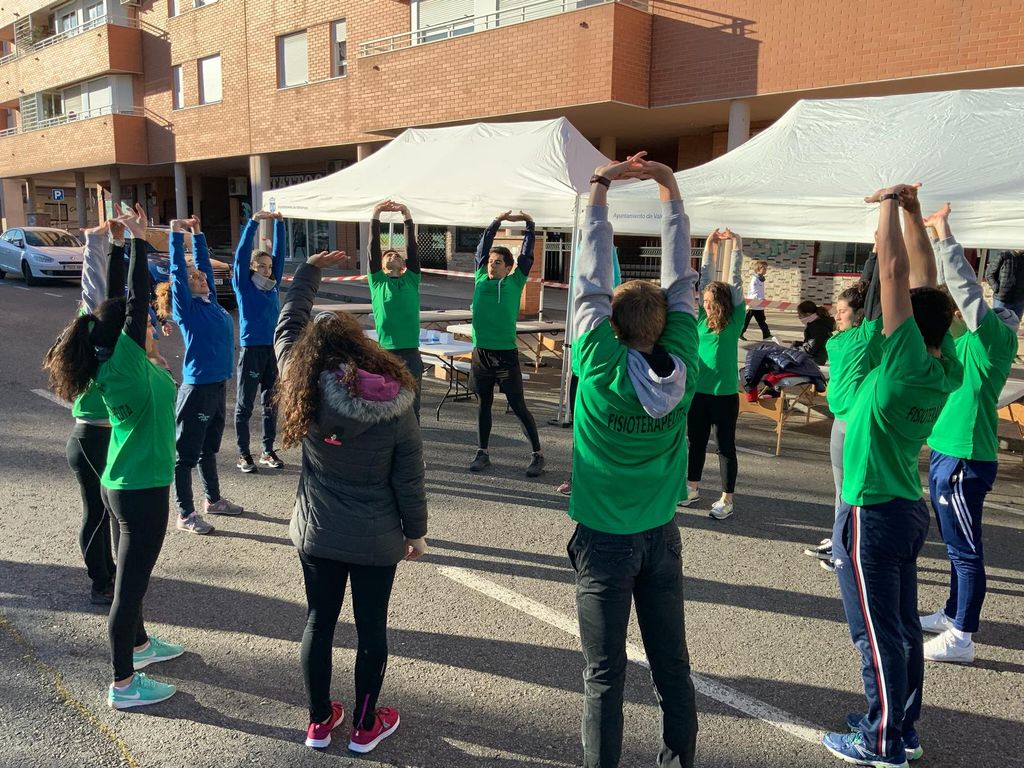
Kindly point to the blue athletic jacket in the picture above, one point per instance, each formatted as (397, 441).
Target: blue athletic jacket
(257, 310)
(206, 328)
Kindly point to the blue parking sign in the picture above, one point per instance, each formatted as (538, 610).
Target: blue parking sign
(57, 195)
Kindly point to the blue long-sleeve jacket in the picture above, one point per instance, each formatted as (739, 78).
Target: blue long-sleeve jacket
(206, 328)
(257, 310)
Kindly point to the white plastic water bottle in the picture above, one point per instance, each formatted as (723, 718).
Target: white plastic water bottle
(272, 205)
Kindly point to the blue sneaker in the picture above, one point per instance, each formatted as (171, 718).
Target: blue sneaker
(911, 741)
(157, 650)
(141, 691)
(850, 747)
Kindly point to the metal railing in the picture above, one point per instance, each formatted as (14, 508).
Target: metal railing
(469, 24)
(99, 21)
(74, 117)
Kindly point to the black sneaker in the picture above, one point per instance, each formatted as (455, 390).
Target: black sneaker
(271, 459)
(246, 464)
(536, 467)
(481, 462)
(102, 596)
(822, 551)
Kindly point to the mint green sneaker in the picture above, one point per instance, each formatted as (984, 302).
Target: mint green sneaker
(157, 650)
(141, 691)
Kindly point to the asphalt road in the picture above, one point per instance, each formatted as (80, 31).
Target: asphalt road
(484, 666)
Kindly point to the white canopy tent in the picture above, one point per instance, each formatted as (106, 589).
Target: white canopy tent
(460, 175)
(804, 178)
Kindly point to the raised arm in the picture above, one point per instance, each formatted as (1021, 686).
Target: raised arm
(707, 261)
(487, 240)
(181, 295)
(137, 309)
(412, 254)
(677, 276)
(280, 247)
(525, 261)
(243, 253)
(915, 237)
(201, 257)
(94, 267)
(376, 256)
(872, 302)
(299, 302)
(736, 269)
(893, 263)
(960, 278)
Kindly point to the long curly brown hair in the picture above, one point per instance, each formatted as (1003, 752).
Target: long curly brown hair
(162, 304)
(334, 342)
(721, 305)
(71, 363)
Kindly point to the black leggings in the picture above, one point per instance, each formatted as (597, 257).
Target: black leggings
(762, 323)
(142, 524)
(325, 590)
(87, 457)
(517, 403)
(720, 412)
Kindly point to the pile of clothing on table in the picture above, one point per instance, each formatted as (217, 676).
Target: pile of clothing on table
(769, 364)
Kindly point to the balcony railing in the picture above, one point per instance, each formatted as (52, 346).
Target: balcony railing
(99, 21)
(73, 117)
(469, 24)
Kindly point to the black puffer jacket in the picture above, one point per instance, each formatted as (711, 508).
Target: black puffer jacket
(766, 358)
(360, 491)
(1006, 276)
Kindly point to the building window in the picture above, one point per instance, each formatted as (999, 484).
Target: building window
(67, 19)
(209, 80)
(201, 3)
(179, 87)
(841, 258)
(292, 60)
(466, 239)
(339, 47)
(94, 11)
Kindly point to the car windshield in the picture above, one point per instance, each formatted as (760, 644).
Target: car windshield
(51, 238)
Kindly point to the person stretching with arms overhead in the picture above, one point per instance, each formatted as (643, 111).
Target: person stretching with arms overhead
(636, 349)
(499, 285)
(883, 521)
(256, 279)
(965, 446)
(395, 294)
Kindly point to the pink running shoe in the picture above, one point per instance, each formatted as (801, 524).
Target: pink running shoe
(318, 735)
(385, 723)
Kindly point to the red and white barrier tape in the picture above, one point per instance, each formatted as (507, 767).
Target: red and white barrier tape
(445, 272)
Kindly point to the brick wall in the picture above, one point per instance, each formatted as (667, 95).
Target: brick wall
(791, 272)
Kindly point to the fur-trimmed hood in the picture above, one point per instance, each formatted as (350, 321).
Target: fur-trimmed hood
(346, 414)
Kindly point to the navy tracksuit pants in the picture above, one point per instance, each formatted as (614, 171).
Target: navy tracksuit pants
(958, 488)
(200, 426)
(257, 371)
(875, 550)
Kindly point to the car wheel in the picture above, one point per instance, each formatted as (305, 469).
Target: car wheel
(3, 274)
(26, 272)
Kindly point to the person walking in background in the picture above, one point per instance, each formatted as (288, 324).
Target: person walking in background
(256, 279)
(755, 292)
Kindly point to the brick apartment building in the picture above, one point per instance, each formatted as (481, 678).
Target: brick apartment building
(200, 105)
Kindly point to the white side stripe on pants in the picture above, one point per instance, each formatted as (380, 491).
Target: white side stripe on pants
(963, 512)
(876, 658)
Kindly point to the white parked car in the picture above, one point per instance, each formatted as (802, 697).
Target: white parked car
(40, 253)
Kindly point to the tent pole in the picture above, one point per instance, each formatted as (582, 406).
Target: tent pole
(562, 415)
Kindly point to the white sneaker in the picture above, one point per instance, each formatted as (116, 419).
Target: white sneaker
(692, 497)
(946, 647)
(936, 623)
(720, 510)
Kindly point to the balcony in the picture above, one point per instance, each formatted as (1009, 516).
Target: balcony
(101, 45)
(470, 24)
(99, 137)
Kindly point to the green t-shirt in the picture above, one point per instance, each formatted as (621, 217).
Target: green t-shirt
(967, 427)
(892, 415)
(140, 402)
(396, 308)
(629, 469)
(718, 370)
(851, 354)
(496, 309)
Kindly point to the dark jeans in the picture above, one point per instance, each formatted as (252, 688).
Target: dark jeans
(87, 457)
(142, 525)
(413, 361)
(958, 488)
(762, 323)
(325, 590)
(257, 370)
(200, 427)
(720, 412)
(613, 571)
(875, 551)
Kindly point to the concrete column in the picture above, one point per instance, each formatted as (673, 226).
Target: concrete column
(363, 151)
(14, 203)
(739, 123)
(115, 185)
(180, 192)
(607, 146)
(30, 195)
(83, 213)
(259, 179)
(196, 183)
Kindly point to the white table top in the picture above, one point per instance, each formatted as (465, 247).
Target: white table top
(1013, 391)
(449, 349)
(440, 315)
(524, 326)
(341, 306)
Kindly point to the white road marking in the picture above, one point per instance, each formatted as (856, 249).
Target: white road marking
(55, 295)
(47, 395)
(475, 750)
(748, 705)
